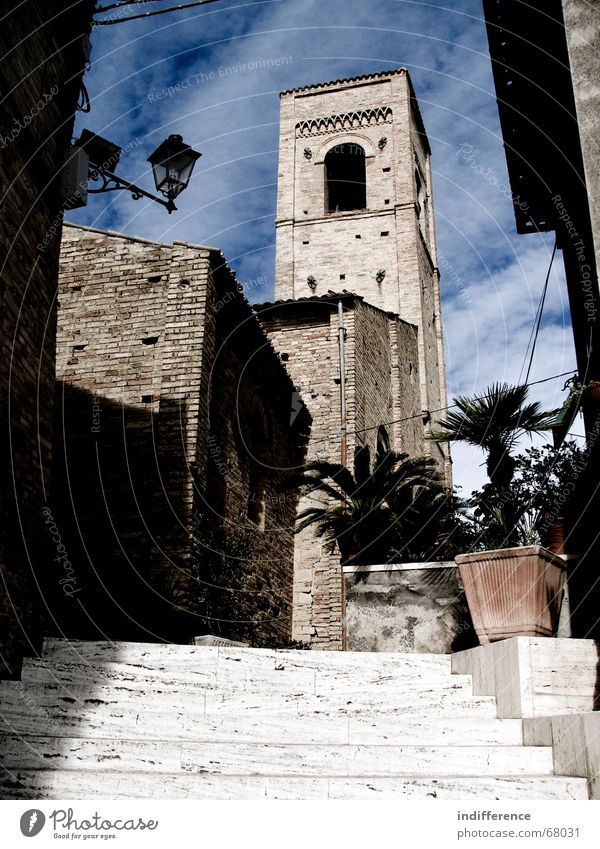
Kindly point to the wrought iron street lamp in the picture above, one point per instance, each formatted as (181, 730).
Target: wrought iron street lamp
(94, 158)
(172, 165)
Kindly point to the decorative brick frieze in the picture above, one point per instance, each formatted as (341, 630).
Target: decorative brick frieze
(348, 121)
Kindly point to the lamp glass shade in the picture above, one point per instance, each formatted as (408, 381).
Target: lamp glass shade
(172, 165)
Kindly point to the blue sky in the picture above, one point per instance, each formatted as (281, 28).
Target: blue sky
(491, 277)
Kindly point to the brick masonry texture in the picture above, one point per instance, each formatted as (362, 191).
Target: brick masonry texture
(394, 234)
(381, 380)
(170, 450)
(394, 339)
(40, 73)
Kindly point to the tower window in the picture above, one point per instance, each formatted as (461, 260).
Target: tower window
(420, 191)
(257, 496)
(383, 444)
(257, 438)
(345, 178)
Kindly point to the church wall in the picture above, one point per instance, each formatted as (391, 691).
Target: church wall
(407, 428)
(381, 385)
(347, 252)
(373, 390)
(160, 361)
(306, 337)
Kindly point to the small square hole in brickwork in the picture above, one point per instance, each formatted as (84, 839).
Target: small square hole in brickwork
(77, 349)
(358, 236)
(285, 357)
(306, 242)
(385, 232)
(147, 399)
(183, 284)
(342, 276)
(387, 201)
(155, 278)
(386, 170)
(75, 288)
(150, 340)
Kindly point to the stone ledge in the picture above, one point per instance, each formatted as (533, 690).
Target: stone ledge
(535, 676)
(575, 741)
(399, 567)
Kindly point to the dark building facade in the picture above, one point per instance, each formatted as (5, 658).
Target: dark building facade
(547, 76)
(42, 56)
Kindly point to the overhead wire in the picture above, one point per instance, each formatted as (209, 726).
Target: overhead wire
(110, 21)
(451, 406)
(538, 319)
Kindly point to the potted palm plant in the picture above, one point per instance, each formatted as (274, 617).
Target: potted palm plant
(514, 586)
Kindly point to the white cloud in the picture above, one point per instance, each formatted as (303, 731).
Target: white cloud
(492, 278)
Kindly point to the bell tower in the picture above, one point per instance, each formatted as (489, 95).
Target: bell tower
(355, 210)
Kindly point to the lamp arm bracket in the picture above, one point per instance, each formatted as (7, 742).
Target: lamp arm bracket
(111, 183)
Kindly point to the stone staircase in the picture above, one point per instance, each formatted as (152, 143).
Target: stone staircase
(145, 721)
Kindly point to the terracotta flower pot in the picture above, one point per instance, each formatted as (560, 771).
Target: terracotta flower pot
(592, 391)
(513, 592)
(554, 538)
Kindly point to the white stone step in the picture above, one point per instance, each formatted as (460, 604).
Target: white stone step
(228, 672)
(208, 656)
(143, 721)
(226, 681)
(302, 760)
(163, 697)
(79, 784)
(434, 702)
(348, 760)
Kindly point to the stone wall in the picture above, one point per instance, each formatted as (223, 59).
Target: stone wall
(41, 45)
(167, 432)
(414, 607)
(381, 389)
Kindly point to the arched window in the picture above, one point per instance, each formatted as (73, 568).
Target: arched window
(345, 178)
(420, 191)
(383, 444)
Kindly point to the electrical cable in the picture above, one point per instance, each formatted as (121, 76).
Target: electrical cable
(439, 410)
(119, 3)
(177, 8)
(451, 406)
(538, 318)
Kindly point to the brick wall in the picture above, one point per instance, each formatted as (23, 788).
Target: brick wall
(40, 73)
(161, 368)
(381, 386)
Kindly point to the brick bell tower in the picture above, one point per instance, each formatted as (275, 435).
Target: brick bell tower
(355, 210)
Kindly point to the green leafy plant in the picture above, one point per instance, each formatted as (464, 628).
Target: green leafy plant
(495, 421)
(523, 513)
(374, 515)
